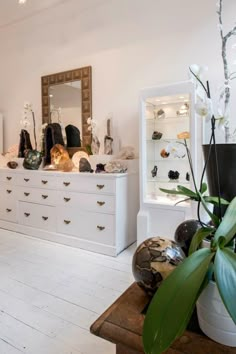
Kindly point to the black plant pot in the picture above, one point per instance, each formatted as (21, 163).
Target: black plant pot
(226, 156)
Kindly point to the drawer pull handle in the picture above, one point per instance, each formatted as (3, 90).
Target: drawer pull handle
(100, 203)
(44, 181)
(67, 222)
(9, 191)
(8, 210)
(44, 196)
(66, 184)
(27, 214)
(26, 179)
(9, 178)
(66, 200)
(26, 194)
(45, 218)
(100, 228)
(100, 186)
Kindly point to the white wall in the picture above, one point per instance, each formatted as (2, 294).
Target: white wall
(130, 44)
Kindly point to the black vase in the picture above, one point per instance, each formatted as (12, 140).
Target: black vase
(226, 156)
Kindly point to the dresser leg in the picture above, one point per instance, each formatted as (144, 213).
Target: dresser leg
(121, 349)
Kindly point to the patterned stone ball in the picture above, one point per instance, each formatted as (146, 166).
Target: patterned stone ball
(153, 261)
(184, 233)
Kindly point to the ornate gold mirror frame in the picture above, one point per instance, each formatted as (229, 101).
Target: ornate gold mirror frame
(85, 76)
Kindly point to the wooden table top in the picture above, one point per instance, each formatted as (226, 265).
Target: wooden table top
(122, 324)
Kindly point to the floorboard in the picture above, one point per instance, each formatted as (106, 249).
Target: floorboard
(50, 294)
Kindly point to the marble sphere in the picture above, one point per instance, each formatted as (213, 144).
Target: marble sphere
(185, 232)
(154, 260)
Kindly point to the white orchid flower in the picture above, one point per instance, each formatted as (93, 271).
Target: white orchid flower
(204, 108)
(28, 106)
(89, 120)
(198, 70)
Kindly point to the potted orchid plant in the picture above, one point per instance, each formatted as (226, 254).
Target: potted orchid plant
(207, 275)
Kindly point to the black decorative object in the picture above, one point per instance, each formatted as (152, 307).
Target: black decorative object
(184, 233)
(154, 260)
(72, 136)
(173, 175)
(187, 176)
(12, 164)
(52, 136)
(154, 171)
(32, 160)
(156, 135)
(226, 155)
(160, 113)
(25, 143)
(84, 165)
(100, 167)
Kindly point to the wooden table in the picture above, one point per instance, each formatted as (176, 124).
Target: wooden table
(122, 324)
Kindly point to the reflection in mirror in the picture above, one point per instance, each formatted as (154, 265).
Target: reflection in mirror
(67, 99)
(65, 104)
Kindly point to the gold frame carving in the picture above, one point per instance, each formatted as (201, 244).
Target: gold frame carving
(85, 76)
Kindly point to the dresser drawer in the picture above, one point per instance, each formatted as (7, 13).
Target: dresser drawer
(89, 184)
(8, 211)
(8, 192)
(38, 180)
(39, 216)
(39, 196)
(91, 202)
(8, 177)
(87, 225)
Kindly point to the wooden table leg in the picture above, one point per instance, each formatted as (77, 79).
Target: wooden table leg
(121, 349)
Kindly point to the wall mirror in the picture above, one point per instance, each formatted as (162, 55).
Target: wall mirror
(67, 98)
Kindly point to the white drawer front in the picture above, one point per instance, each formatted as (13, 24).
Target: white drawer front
(8, 177)
(87, 225)
(92, 202)
(87, 184)
(36, 195)
(41, 181)
(8, 192)
(8, 210)
(39, 216)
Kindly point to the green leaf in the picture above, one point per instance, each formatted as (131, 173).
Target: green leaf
(188, 192)
(225, 273)
(172, 305)
(203, 188)
(171, 191)
(215, 200)
(227, 227)
(213, 217)
(199, 237)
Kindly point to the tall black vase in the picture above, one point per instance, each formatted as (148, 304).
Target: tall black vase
(226, 156)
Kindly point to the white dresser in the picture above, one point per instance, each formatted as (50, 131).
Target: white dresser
(96, 212)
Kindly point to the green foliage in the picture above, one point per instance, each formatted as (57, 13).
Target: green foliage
(172, 305)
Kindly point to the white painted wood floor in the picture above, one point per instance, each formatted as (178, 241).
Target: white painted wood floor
(50, 294)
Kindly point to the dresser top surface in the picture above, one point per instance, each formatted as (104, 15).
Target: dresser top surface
(61, 173)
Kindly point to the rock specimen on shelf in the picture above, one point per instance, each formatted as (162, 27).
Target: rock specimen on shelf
(154, 171)
(115, 167)
(156, 135)
(84, 165)
(12, 164)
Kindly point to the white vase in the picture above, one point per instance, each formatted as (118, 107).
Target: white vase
(213, 317)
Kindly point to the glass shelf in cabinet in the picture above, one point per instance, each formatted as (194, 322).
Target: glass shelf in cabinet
(163, 180)
(161, 120)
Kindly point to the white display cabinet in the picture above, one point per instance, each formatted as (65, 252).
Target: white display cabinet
(167, 117)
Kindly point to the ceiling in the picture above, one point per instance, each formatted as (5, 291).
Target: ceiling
(11, 12)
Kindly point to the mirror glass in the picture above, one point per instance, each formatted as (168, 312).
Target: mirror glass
(65, 104)
(67, 99)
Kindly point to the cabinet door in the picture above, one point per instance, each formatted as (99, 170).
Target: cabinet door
(167, 131)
